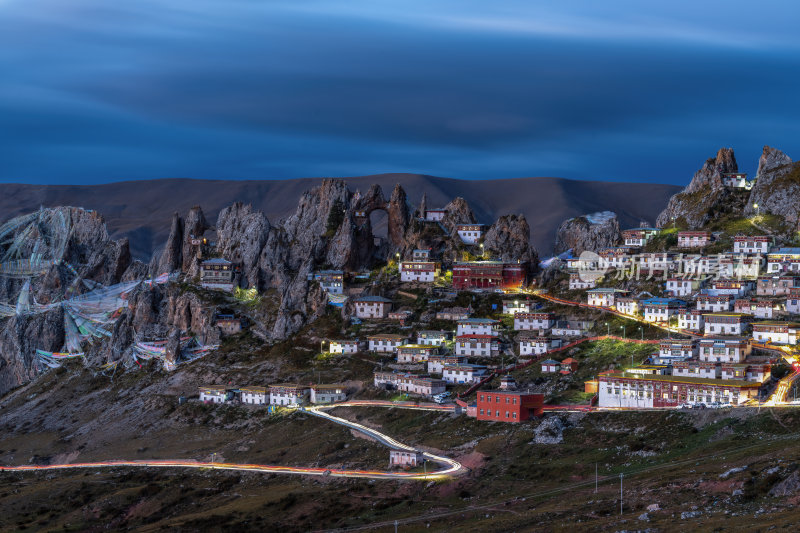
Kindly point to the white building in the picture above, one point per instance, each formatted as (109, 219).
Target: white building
(214, 394)
(550, 366)
(696, 369)
(681, 286)
(420, 271)
(217, 273)
(477, 345)
(724, 349)
(691, 320)
(538, 345)
(571, 328)
(676, 349)
(577, 283)
(510, 307)
(757, 308)
(436, 363)
(372, 306)
(421, 254)
(724, 323)
(288, 394)
(435, 215)
(386, 342)
(477, 326)
(469, 233)
(603, 297)
(533, 321)
(405, 458)
(775, 332)
(751, 244)
(343, 346)
(321, 394)
(433, 338)
(415, 353)
(463, 373)
(734, 287)
(693, 239)
(783, 260)
(254, 395)
(627, 305)
(714, 304)
(661, 309)
(331, 281)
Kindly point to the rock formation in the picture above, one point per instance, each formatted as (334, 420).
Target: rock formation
(589, 232)
(508, 239)
(777, 186)
(705, 198)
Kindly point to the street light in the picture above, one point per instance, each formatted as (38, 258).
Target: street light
(623, 331)
(755, 206)
(608, 330)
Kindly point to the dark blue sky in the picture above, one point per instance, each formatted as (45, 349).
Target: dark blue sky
(98, 90)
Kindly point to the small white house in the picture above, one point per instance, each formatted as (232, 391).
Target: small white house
(435, 215)
(538, 345)
(372, 306)
(511, 307)
(421, 254)
(386, 342)
(776, 332)
(477, 345)
(696, 369)
(288, 394)
(571, 328)
(419, 271)
(343, 346)
(433, 338)
(627, 305)
(691, 319)
(415, 353)
(550, 366)
(693, 239)
(661, 309)
(533, 321)
(724, 349)
(254, 395)
(436, 363)
(603, 297)
(463, 373)
(578, 283)
(783, 260)
(405, 458)
(477, 326)
(724, 323)
(714, 304)
(469, 233)
(214, 394)
(751, 244)
(333, 393)
(681, 287)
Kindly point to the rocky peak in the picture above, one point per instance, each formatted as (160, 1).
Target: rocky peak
(399, 217)
(241, 235)
(171, 257)
(589, 232)
(777, 186)
(508, 239)
(705, 197)
(458, 212)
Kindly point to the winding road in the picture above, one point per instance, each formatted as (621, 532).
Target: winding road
(447, 467)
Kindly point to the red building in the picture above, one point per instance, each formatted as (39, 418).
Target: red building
(489, 275)
(509, 406)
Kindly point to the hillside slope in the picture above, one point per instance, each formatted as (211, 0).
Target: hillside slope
(142, 210)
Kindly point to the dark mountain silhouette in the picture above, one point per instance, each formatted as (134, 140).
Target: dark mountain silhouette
(142, 210)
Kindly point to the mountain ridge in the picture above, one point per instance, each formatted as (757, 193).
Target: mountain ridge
(141, 210)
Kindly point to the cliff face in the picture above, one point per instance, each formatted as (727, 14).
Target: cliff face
(705, 197)
(78, 243)
(777, 187)
(508, 239)
(589, 232)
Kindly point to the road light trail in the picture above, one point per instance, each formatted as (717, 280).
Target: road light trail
(449, 468)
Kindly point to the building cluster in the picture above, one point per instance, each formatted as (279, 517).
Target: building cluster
(281, 394)
(732, 301)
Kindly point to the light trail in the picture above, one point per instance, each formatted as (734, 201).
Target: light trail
(450, 466)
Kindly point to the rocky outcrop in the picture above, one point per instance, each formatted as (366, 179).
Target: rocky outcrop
(508, 239)
(705, 198)
(589, 232)
(241, 236)
(458, 212)
(195, 225)
(777, 186)
(399, 217)
(171, 257)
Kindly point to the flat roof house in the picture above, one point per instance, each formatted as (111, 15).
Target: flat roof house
(477, 326)
(415, 353)
(752, 244)
(509, 406)
(724, 349)
(603, 296)
(725, 323)
(693, 239)
(215, 394)
(660, 309)
(419, 271)
(372, 306)
(533, 321)
(330, 393)
(289, 394)
(254, 395)
(386, 342)
(217, 273)
(776, 332)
